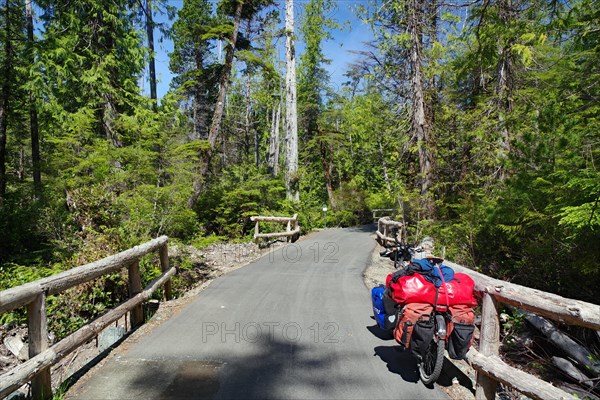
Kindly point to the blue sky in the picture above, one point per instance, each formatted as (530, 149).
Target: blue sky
(351, 37)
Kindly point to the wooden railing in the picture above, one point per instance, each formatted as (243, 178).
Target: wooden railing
(490, 368)
(384, 228)
(33, 295)
(292, 230)
(382, 212)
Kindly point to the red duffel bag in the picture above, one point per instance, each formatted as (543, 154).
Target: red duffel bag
(460, 291)
(416, 289)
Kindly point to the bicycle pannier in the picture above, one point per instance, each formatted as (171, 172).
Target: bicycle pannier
(460, 340)
(410, 315)
(461, 330)
(422, 335)
(386, 318)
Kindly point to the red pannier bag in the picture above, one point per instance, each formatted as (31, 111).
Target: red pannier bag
(411, 313)
(460, 330)
(416, 289)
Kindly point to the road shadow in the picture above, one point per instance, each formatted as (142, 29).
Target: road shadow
(399, 362)
(451, 371)
(84, 367)
(369, 228)
(380, 333)
(274, 369)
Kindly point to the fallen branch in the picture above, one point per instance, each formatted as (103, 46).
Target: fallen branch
(577, 352)
(581, 393)
(572, 372)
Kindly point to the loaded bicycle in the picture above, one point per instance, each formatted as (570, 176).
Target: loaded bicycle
(433, 306)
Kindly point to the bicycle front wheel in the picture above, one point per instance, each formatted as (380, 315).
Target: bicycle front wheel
(430, 367)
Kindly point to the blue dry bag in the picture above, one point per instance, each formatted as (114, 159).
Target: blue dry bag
(378, 309)
(385, 321)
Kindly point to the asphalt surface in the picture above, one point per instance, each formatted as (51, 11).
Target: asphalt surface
(295, 324)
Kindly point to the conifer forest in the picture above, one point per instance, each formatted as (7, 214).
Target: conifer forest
(478, 121)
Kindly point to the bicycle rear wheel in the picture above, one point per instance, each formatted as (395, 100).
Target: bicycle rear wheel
(430, 367)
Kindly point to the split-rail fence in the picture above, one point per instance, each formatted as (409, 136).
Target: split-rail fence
(292, 230)
(34, 294)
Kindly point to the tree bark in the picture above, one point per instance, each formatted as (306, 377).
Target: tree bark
(4, 101)
(291, 177)
(386, 177)
(326, 160)
(215, 127)
(575, 351)
(224, 83)
(504, 82)
(420, 127)
(572, 372)
(199, 100)
(33, 116)
(273, 164)
(152, 62)
(108, 116)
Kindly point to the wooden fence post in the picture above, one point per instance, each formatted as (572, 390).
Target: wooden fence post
(256, 232)
(164, 266)
(385, 233)
(489, 345)
(295, 236)
(136, 315)
(41, 384)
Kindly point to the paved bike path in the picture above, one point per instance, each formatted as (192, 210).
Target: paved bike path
(294, 324)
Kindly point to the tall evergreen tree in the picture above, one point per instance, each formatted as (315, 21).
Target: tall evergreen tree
(191, 61)
(238, 10)
(33, 112)
(312, 85)
(5, 90)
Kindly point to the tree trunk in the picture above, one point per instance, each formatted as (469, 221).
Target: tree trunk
(248, 122)
(199, 101)
(504, 82)
(291, 177)
(420, 127)
(108, 116)
(277, 140)
(574, 350)
(386, 177)
(326, 159)
(152, 63)
(224, 83)
(33, 116)
(273, 164)
(4, 101)
(215, 127)
(572, 372)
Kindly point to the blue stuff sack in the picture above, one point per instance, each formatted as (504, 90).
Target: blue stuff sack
(378, 309)
(434, 274)
(385, 321)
